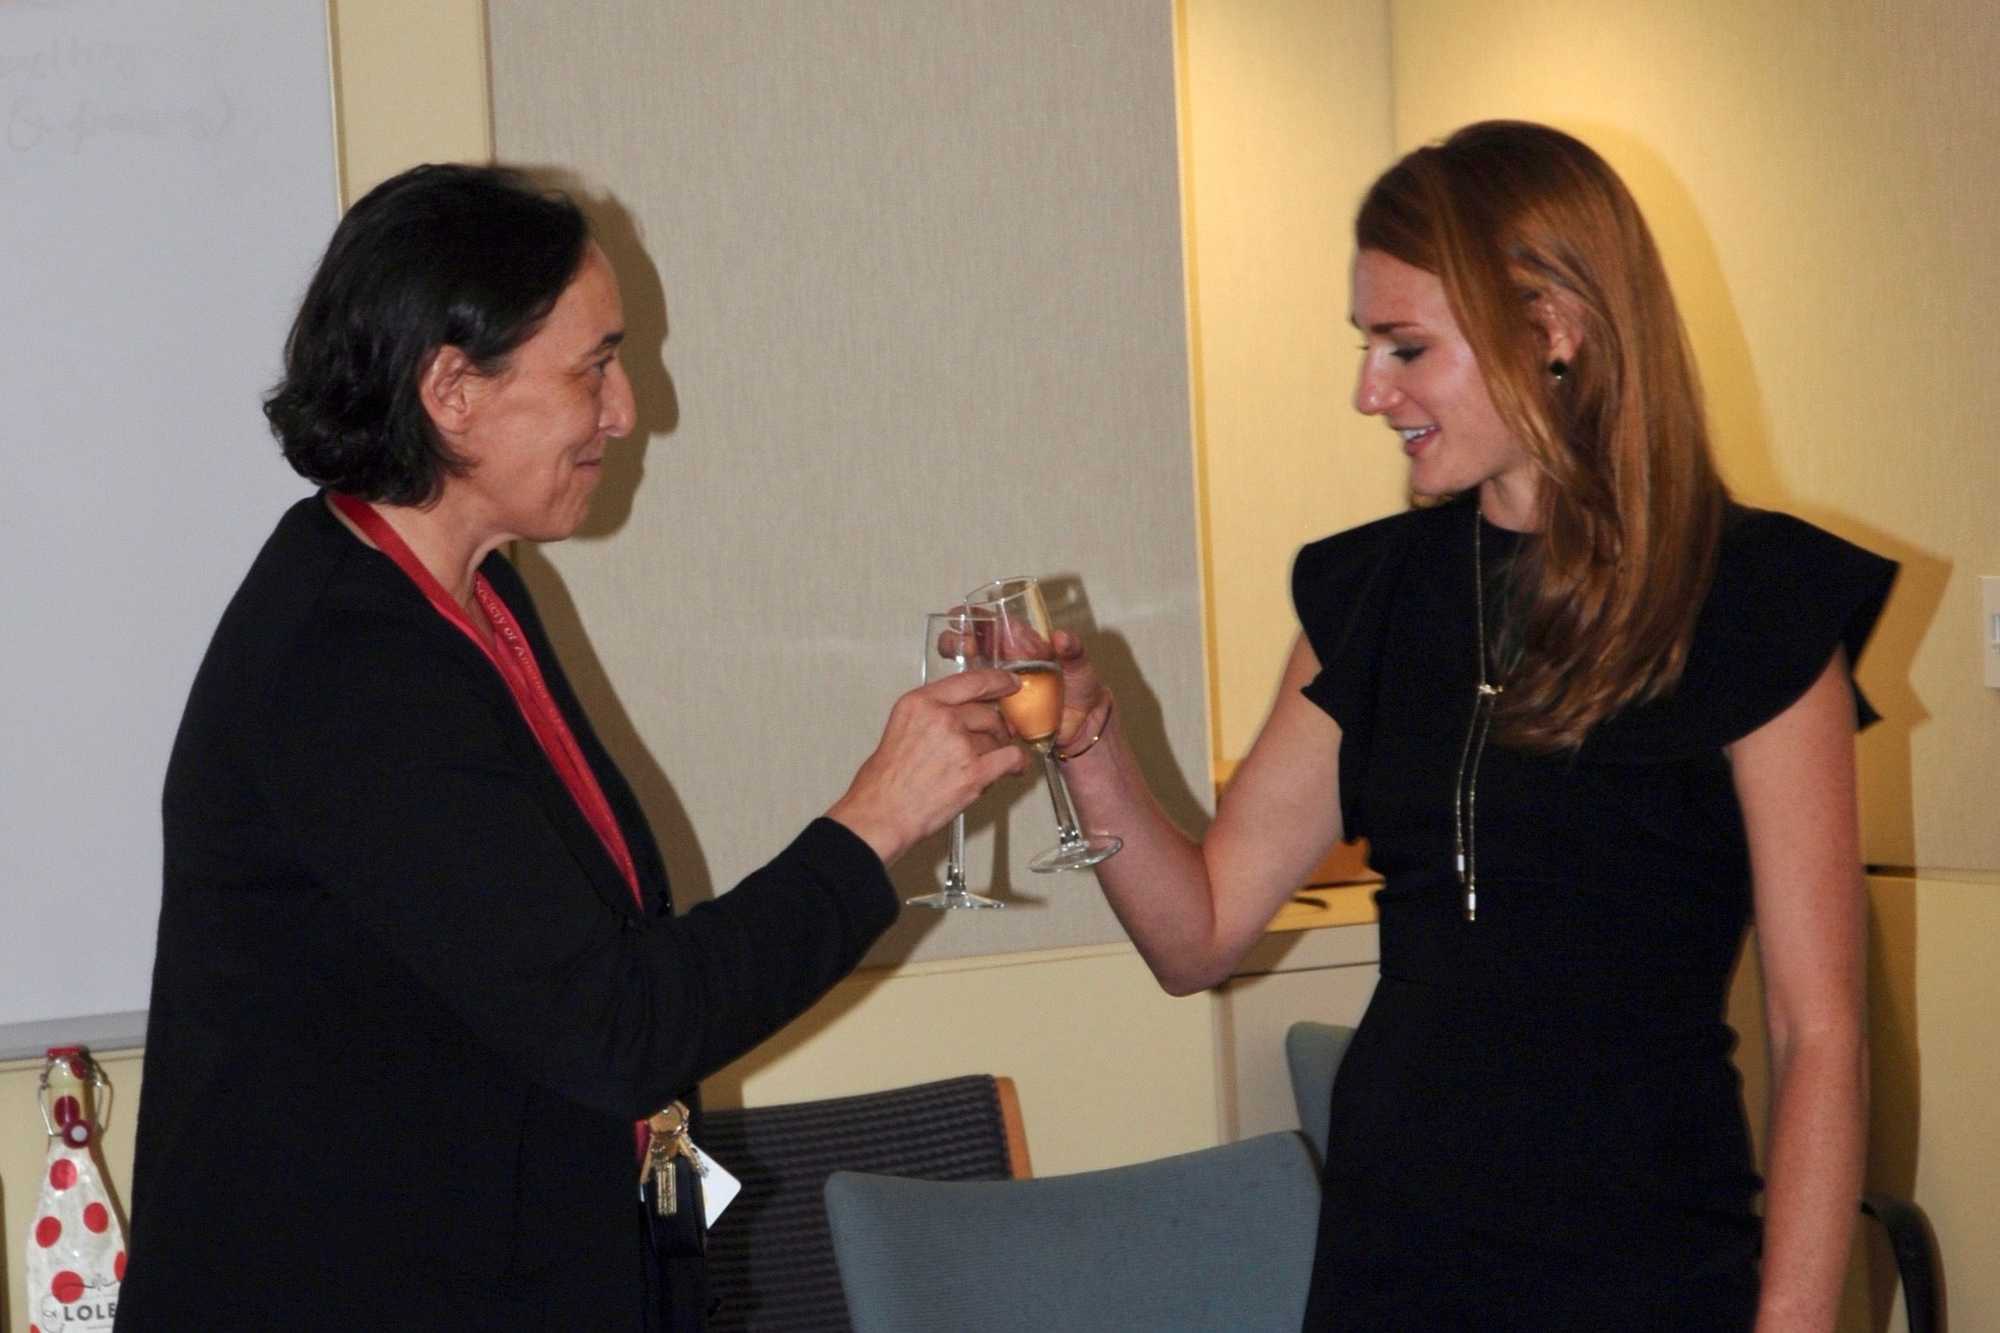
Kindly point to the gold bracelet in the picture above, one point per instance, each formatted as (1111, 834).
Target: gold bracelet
(1095, 737)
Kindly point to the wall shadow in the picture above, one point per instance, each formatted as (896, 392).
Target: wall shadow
(687, 866)
(1140, 718)
(658, 413)
(617, 233)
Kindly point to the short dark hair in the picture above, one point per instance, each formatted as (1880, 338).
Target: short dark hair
(460, 256)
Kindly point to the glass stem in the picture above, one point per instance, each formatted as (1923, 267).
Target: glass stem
(1066, 830)
(954, 871)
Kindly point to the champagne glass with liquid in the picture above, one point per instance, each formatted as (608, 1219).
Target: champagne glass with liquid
(954, 641)
(1024, 643)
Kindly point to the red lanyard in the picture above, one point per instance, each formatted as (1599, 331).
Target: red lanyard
(517, 667)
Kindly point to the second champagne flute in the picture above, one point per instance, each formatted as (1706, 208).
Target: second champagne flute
(955, 641)
(1024, 643)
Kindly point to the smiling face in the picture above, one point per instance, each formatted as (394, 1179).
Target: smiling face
(536, 431)
(1418, 374)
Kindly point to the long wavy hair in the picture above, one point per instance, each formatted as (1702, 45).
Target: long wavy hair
(1522, 223)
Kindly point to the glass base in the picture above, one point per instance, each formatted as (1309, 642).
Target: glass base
(1081, 855)
(945, 900)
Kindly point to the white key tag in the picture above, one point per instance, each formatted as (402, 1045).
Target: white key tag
(718, 1188)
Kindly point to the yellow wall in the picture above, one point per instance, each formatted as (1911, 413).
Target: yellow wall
(1284, 121)
(410, 87)
(1822, 176)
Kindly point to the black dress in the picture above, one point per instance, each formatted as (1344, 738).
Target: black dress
(1537, 1125)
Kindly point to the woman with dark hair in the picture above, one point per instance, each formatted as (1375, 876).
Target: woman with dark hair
(1593, 718)
(418, 974)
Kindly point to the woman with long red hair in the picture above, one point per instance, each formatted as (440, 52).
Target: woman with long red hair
(1594, 718)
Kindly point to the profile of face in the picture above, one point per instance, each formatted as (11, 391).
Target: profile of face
(1419, 374)
(536, 432)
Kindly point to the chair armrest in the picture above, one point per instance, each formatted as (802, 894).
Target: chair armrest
(1915, 1248)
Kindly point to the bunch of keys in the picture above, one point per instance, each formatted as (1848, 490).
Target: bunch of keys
(689, 1189)
(667, 1145)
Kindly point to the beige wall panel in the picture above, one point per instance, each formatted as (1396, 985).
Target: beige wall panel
(1110, 1069)
(1957, 1177)
(1823, 179)
(1934, 1076)
(1285, 122)
(905, 287)
(1253, 1015)
(411, 87)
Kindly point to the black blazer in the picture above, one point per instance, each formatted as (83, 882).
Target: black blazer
(404, 1008)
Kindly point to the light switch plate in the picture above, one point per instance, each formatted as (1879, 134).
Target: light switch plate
(1989, 628)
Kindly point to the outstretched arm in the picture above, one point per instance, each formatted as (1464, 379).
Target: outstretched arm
(1193, 909)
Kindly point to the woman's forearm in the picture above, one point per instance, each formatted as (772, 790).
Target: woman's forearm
(1158, 883)
(1193, 909)
(1817, 1143)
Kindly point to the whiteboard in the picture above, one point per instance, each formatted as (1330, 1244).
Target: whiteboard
(167, 182)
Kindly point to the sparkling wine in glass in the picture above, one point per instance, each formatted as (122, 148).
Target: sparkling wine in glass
(1024, 643)
(956, 641)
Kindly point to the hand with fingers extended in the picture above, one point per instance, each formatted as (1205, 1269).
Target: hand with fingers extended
(944, 744)
(1086, 698)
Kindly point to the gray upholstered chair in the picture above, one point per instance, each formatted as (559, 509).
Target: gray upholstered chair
(1216, 1239)
(1313, 1052)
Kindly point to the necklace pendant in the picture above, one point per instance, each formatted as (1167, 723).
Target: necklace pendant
(1465, 791)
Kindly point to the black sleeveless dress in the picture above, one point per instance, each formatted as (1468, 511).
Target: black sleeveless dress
(1537, 1125)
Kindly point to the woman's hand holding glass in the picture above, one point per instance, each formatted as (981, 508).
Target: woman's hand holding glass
(942, 746)
(1026, 643)
(1086, 707)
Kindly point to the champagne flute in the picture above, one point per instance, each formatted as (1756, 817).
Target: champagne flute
(1024, 643)
(955, 641)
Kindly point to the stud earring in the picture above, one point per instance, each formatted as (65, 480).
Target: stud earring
(1559, 370)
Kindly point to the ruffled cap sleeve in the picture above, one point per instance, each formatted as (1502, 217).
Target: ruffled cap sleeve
(1784, 596)
(1343, 587)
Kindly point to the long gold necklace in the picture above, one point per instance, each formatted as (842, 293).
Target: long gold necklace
(1465, 791)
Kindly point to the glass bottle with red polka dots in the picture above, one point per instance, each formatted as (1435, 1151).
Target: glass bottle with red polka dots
(76, 1243)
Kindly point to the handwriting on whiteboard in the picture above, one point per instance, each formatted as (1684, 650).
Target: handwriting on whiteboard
(72, 124)
(66, 85)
